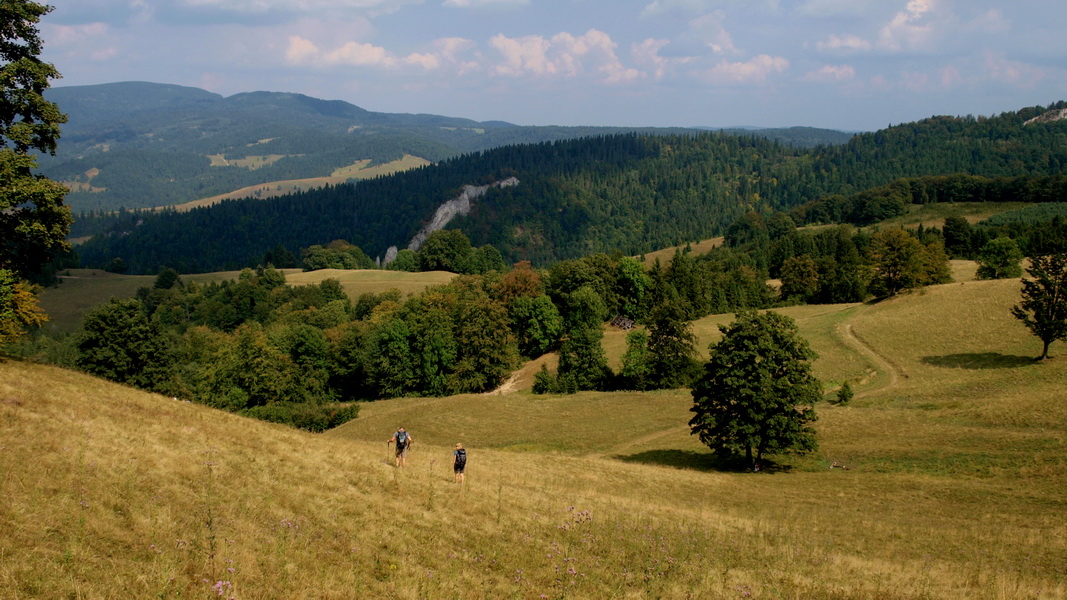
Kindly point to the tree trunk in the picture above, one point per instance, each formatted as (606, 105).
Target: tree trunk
(1044, 350)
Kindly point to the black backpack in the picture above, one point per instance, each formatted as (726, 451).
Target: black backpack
(401, 439)
(461, 458)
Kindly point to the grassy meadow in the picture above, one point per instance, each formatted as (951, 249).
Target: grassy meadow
(360, 169)
(953, 483)
(84, 289)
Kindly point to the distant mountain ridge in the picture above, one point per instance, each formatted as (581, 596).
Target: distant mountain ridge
(141, 144)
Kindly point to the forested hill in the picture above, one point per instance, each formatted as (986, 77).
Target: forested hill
(138, 144)
(630, 193)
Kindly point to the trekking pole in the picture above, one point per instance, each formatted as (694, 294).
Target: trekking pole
(388, 445)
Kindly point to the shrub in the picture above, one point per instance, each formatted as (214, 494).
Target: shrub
(309, 417)
(844, 394)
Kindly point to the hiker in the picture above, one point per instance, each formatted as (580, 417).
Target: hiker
(459, 463)
(402, 439)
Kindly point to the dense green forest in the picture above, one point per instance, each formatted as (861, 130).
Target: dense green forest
(296, 355)
(137, 145)
(627, 193)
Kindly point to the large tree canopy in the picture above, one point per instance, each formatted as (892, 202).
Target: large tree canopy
(757, 393)
(33, 220)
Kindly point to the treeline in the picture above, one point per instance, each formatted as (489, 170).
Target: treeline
(892, 200)
(301, 355)
(629, 193)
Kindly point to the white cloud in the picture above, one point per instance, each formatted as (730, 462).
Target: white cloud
(522, 55)
(831, 74)
(68, 35)
(300, 50)
(564, 55)
(428, 62)
(710, 29)
(359, 55)
(646, 54)
(756, 70)
(659, 7)
(836, 8)
(92, 41)
(294, 6)
(450, 48)
(480, 3)
(844, 42)
(919, 27)
(910, 29)
(1001, 69)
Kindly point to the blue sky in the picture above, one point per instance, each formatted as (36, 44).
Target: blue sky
(842, 64)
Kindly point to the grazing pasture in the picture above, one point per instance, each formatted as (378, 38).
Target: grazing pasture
(945, 477)
(83, 289)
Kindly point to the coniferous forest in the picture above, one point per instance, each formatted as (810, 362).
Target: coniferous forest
(626, 193)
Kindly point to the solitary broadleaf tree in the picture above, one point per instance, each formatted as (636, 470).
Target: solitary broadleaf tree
(999, 259)
(757, 393)
(1043, 308)
(33, 220)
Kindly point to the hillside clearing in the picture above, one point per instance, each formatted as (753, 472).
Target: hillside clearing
(360, 169)
(953, 484)
(83, 289)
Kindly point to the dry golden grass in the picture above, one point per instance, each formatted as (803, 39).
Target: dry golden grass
(81, 291)
(933, 215)
(697, 248)
(84, 289)
(251, 162)
(273, 189)
(955, 487)
(361, 169)
(356, 282)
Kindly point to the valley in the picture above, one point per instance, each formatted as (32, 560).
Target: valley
(953, 484)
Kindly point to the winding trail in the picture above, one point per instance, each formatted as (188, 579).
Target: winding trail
(857, 343)
(894, 375)
(651, 437)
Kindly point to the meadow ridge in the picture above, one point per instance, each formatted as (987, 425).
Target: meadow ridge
(953, 483)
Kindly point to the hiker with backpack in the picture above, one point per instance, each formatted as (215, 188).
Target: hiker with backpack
(459, 463)
(403, 440)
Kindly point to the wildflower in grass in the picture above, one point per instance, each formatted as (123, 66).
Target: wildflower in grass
(222, 588)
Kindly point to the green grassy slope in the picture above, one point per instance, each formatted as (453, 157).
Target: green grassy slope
(956, 448)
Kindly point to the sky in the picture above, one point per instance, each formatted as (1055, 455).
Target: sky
(854, 65)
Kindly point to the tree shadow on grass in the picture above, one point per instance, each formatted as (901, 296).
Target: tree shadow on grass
(979, 360)
(697, 461)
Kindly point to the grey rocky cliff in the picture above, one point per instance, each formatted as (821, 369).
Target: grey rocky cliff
(460, 205)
